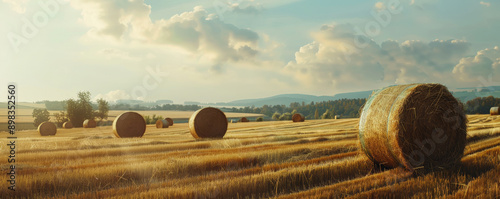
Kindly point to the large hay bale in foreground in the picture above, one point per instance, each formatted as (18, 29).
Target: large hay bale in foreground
(67, 125)
(297, 117)
(170, 121)
(47, 128)
(89, 123)
(162, 124)
(244, 119)
(494, 111)
(415, 125)
(208, 123)
(129, 124)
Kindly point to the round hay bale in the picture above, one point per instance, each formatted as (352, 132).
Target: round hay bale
(129, 124)
(67, 125)
(162, 124)
(494, 111)
(297, 117)
(170, 121)
(89, 123)
(415, 125)
(244, 119)
(208, 123)
(47, 129)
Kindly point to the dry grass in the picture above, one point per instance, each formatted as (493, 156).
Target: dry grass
(314, 159)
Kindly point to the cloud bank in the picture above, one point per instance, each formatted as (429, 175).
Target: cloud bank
(336, 60)
(196, 31)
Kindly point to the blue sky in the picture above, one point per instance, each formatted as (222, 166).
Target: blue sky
(218, 51)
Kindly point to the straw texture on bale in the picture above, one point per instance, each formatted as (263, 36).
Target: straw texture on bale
(47, 128)
(415, 125)
(208, 123)
(89, 123)
(244, 119)
(297, 117)
(129, 124)
(67, 125)
(494, 111)
(170, 121)
(162, 124)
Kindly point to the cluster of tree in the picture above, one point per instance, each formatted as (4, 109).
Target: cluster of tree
(481, 105)
(75, 111)
(347, 108)
(152, 119)
(137, 107)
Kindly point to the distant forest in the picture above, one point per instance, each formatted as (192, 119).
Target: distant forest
(326, 109)
(481, 105)
(346, 108)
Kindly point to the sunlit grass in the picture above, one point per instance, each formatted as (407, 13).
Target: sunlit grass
(314, 159)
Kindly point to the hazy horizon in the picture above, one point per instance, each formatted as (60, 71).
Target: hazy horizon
(221, 51)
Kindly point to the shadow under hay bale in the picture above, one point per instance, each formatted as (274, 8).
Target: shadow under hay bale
(162, 124)
(67, 125)
(47, 129)
(89, 123)
(170, 121)
(208, 123)
(297, 117)
(494, 111)
(413, 126)
(129, 124)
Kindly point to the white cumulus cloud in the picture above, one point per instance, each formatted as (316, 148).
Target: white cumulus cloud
(18, 6)
(113, 96)
(487, 4)
(379, 6)
(339, 59)
(196, 31)
(485, 64)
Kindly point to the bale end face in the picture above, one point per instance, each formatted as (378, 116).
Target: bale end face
(170, 121)
(162, 124)
(208, 123)
(494, 111)
(67, 125)
(128, 125)
(89, 123)
(297, 117)
(47, 129)
(410, 126)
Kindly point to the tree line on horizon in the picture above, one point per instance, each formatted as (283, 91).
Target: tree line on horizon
(76, 111)
(82, 108)
(346, 108)
(481, 105)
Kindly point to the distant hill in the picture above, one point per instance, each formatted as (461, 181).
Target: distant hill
(463, 94)
(286, 99)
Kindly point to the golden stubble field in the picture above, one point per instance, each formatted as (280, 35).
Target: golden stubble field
(314, 159)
